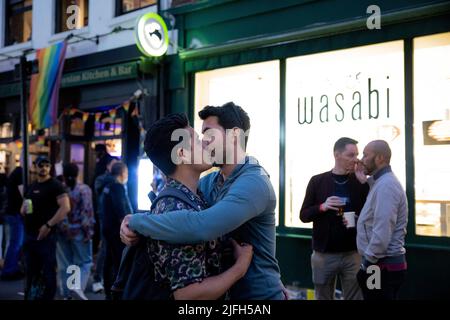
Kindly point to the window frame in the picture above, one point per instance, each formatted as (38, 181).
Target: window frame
(119, 6)
(10, 13)
(58, 17)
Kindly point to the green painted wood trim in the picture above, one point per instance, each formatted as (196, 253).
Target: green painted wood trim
(282, 154)
(388, 18)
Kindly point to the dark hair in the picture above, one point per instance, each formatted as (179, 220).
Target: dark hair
(100, 147)
(229, 116)
(111, 159)
(118, 168)
(158, 144)
(70, 173)
(340, 144)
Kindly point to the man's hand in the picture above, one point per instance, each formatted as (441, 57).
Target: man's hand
(359, 172)
(243, 254)
(127, 236)
(43, 232)
(332, 203)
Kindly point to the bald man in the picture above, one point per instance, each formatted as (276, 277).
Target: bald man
(381, 227)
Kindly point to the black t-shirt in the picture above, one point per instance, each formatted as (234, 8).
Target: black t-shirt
(44, 196)
(341, 238)
(12, 190)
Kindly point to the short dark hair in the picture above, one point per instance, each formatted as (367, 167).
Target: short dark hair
(118, 168)
(70, 174)
(100, 147)
(70, 170)
(229, 116)
(158, 144)
(340, 144)
(111, 159)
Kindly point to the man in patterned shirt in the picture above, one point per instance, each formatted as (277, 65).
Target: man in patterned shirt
(192, 271)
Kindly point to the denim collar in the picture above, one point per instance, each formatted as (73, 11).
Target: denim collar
(381, 172)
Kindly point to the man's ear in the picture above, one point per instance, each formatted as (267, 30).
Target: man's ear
(182, 154)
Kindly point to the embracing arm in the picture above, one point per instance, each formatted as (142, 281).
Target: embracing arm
(214, 287)
(248, 196)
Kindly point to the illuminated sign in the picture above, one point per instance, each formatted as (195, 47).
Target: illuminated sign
(152, 36)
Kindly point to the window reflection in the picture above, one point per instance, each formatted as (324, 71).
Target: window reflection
(432, 134)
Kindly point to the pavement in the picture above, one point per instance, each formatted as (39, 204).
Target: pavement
(14, 290)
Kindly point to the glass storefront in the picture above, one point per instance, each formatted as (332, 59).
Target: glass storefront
(254, 88)
(432, 134)
(359, 93)
(361, 97)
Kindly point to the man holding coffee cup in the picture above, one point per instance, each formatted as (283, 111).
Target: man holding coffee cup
(331, 196)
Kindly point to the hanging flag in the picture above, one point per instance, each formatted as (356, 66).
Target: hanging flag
(85, 116)
(126, 105)
(97, 117)
(44, 87)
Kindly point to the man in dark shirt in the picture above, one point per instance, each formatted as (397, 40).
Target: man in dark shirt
(103, 158)
(116, 205)
(14, 189)
(49, 205)
(334, 245)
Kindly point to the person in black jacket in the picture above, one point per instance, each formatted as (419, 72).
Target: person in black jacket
(334, 245)
(116, 205)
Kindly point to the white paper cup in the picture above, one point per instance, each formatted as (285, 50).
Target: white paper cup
(350, 217)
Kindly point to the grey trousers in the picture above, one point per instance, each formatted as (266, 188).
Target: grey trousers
(327, 267)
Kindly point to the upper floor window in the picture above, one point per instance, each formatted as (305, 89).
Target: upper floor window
(125, 6)
(71, 15)
(19, 21)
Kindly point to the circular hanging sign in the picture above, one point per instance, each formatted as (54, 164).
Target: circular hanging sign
(152, 36)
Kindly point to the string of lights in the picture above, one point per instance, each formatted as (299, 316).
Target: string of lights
(95, 39)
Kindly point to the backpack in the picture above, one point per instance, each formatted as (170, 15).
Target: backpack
(136, 278)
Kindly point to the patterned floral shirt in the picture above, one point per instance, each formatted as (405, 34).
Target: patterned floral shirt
(181, 265)
(79, 223)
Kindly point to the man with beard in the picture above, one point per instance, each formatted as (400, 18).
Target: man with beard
(49, 205)
(382, 225)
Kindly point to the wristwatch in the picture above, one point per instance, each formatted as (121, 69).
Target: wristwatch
(48, 225)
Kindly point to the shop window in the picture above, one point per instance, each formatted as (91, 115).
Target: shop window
(77, 154)
(126, 6)
(6, 130)
(108, 126)
(77, 126)
(254, 87)
(71, 14)
(19, 21)
(432, 134)
(113, 146)
(356, 93)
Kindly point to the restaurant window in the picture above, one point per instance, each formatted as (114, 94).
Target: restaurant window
(71, 15)
(126, 6)
(108, 126)
(432, 134)
(254, 87)
(19, 21)
(356, 93)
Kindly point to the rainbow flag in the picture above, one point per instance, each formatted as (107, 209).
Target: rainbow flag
(44, 88)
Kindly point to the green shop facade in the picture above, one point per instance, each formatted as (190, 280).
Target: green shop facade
(95, 92)
(309, 72)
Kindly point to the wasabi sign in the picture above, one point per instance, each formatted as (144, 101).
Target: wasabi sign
(152, 36)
